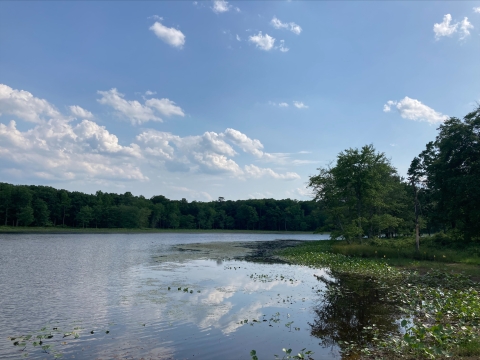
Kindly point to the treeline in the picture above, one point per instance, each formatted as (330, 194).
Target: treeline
(363, 196)
(22, 205)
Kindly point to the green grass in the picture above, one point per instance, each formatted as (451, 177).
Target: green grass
(444, 305)
(77, 230)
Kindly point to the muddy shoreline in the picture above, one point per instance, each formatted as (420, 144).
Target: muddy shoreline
(258, 251)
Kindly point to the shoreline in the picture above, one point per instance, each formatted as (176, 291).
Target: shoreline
(53, 230)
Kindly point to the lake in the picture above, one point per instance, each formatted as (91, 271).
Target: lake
(133, 296)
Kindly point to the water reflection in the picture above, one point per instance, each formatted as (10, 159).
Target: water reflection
(120, 284)
(349, 304)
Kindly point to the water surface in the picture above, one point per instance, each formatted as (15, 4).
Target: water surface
(83, 283)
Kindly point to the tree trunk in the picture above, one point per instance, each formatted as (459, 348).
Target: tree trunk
(417, 236)
(417, 225)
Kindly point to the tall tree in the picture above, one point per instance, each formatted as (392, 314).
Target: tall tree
(65, 204)
(451, 165)
(355, 190)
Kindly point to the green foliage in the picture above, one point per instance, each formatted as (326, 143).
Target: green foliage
(449, 172)
(443, 309)
(362, 195)
(52, 207)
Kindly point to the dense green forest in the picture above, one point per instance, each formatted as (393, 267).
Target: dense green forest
(360, 196)
(22, 205)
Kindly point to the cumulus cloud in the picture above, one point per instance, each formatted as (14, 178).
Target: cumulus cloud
(61, 148)
(300, 105)
(79, 112)
(238, 38)
(263, 42)
(221, 6)
(277, 24)
(171, 36)
(24, 105)
(413, 109)
(476, 10)
(257, 172)
(57, 150)
(136, 112)
(165, 107)
(465, 27)
(208, 153)
(283, 104)
(252, 146)
(447, 28)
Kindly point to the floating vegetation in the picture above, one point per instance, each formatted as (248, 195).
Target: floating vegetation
(38, 340)
(440, 311)
(303, 354)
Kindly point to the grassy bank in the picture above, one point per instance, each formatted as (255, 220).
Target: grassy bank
(439, 311)
(76, 230)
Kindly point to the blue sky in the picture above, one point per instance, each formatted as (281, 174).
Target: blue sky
(236, 99)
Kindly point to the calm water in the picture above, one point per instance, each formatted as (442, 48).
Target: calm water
(83, 283)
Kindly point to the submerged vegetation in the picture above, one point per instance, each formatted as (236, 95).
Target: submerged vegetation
(415, 315)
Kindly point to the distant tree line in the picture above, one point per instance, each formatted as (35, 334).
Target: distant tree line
(22, 205)
(363, 196)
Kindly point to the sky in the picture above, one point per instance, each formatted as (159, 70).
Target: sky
(209, 99)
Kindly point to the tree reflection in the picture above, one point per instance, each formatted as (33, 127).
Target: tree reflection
(349, 305)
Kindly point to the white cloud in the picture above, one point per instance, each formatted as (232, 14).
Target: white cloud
(97, 139)
(413, 109)
(171, 36)
(283, 104)
(136, 112)
(132, 110)
(150, 93)
(445, 28)
(300, 105)
(61, 149)
(277, 24)
(81, 113)
(465, 27)
(282, 47)
(56, 150)
(165, 106)
(238, 38)
(205, 153)
(257, 172)
(263, 42)
(476, 9)
(221, 6)
(252, 146)
(24, 105)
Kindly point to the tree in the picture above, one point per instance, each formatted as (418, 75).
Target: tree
(25, 216)
(65, 204)
(451, 167)
(354, 190)
(85, 215)
(41, 212)
(5, 200)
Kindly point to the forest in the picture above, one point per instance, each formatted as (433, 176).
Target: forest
(32, 205)
(361, 195)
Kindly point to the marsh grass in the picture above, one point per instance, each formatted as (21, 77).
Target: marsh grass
(405, 249)
(443, 307)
